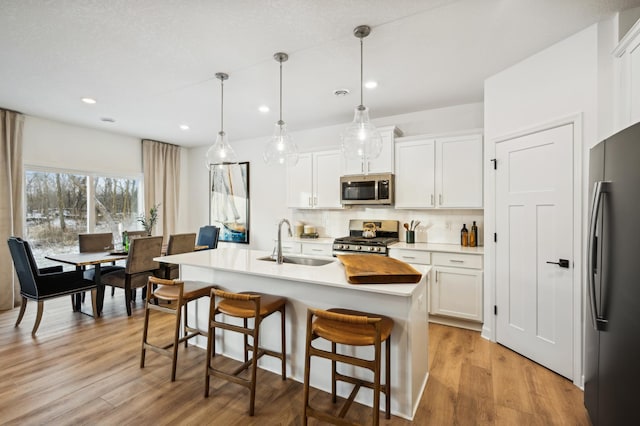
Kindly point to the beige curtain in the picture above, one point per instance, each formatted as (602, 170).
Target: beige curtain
(10, 202)
(161, 167)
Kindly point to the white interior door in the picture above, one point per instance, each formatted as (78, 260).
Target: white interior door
(534, 224)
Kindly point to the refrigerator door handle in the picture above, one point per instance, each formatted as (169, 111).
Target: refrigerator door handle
(599, 188)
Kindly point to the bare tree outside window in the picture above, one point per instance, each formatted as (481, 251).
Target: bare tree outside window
(57, 209)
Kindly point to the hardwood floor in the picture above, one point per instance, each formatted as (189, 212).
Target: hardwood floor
(81, 371)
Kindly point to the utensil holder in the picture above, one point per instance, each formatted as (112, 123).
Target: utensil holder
(411, 237)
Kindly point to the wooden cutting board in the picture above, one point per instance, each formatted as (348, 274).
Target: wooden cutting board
(372, 269)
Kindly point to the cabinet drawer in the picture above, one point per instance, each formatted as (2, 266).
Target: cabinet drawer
(290, 247)
(458, 260)
(317, 249)
(411, 256)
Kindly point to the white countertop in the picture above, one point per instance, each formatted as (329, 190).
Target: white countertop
(446, 248)
(245, 261)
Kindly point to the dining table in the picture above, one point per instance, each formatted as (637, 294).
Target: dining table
(95, 259)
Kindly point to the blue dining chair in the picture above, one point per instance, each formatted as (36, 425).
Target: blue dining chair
(208, 236)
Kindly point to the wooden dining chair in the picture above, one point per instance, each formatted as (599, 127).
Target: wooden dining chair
(140, 266)
(178, 243)
(94, 243)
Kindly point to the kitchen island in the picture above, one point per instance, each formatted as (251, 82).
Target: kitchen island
(323, 287)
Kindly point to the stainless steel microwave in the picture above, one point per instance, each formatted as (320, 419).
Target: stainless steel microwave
(367, 189)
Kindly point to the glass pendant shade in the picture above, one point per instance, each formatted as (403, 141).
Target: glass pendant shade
(221, 152)
(361, 140)
(281, 149)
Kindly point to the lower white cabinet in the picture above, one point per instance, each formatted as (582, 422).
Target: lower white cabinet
(456, 289)
(456, 292)
(455, 285)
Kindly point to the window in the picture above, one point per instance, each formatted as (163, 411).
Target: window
(60, 205)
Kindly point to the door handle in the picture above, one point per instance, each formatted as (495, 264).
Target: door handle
(563, 263)
(600, 187)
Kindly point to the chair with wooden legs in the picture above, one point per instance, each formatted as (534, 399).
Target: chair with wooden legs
(177, 294)
(96, 242)
(40, 284)
(244, 305)
(353, 328)
(140, 265)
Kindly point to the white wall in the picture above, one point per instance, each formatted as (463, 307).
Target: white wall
(268, 184)
(53, 144)
(561, 81)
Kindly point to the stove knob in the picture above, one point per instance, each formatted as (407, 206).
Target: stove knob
(378, 248)
(358, 247)
(372, 248)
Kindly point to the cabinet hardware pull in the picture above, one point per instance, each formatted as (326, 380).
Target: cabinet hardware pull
(310, 205)
(432, 199)
(408, 257)
(315, 201)
(456, 261)
(315, 249)
(440, 198)
(436, 276)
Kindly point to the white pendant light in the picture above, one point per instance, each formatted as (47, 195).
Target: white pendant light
(281, 150)
(220, 152)
(361, 140)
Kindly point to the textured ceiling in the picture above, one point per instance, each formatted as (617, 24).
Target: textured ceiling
(151, 63)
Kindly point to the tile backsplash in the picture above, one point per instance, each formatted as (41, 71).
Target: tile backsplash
(436, 226)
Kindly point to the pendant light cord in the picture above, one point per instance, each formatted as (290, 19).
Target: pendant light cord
(280, 92)
(222, 106)
(361, 71)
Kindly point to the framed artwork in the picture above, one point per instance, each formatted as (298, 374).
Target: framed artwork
(229, 201)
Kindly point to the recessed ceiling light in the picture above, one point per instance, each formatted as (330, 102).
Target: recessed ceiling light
(263, 108)
(341, 92)
(184, 127)
(108, 119)
(90, 101)
(371, 84)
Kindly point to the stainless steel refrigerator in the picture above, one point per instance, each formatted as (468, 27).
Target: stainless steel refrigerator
(612, 319)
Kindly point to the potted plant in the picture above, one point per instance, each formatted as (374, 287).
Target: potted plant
(148, 222)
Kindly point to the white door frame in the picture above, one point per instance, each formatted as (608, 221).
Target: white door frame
(579, 187)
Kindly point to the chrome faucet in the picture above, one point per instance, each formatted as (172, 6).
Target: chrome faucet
(279, 256)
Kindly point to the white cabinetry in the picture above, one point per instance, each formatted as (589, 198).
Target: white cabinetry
(415, 174)
(313, 247)
(439, 172)
(456, 289)
(384, 163)
(315, 181)
(627, 55)
(455, 284)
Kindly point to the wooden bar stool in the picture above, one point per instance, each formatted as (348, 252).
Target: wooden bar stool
(244, 305)
(352, 328)
(178, 294)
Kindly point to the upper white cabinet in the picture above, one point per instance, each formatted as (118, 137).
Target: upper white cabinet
(415, 174)
(384, 163)
(627, 55)
(439, 172)
(315, 181)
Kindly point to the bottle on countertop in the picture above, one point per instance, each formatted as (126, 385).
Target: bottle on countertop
(473, 235)
(125, 241)
(464, 235)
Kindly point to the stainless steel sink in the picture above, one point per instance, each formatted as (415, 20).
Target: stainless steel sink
(308, 261)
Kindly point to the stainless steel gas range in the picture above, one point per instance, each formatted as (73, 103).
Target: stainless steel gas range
(368, 236)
